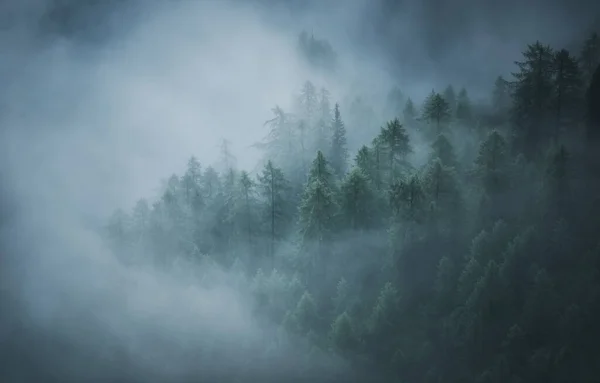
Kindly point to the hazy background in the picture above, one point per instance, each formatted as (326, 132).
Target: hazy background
(101, 99)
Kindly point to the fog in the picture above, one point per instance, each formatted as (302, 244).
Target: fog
(92, 122)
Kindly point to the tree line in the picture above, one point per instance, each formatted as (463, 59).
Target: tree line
(478, 263)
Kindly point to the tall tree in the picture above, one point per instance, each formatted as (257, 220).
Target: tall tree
(318, 208)
(397, 145)
(590, 57)
(443, 150)
(436, 110)
(409, 113)
(280, 143)
(322, 128)
(568, 91)
(394, 102)
(501, 97)
(244, 212)
(450, 97)
(533, 96)
(339, 143)
(357, 201)
(308, 103)
(492, 163)
(227, 160)
(192, 180)
(593, 109)
(274, 189)
(464, 113)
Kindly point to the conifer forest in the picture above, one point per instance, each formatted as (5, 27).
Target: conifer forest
(438, 238)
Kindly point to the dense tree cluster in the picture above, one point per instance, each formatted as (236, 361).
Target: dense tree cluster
(479, 264)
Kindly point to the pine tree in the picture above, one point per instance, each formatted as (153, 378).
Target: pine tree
(321, 171)
(397, 145)
(395, 100)
(593, 111)
(228, 160)
(273, 189)
(339, 150)
(557, 183)
(308, 102)
(590, 57)
(492, 163)
(357, 201)
(364, 160)
(533, 97)
(463, 108)
(501, 97)
(407, 199)
(322, 129)
(192, 179)
(244, 214)
(280, 145)
(409, 113)
(318, 208)
(436, 110)
(450, 97)
(443, 150)
(342, 333)
(441, 186)
(567, 90)
(211, 183)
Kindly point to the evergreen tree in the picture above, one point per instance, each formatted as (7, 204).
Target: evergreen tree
(593, 110)
(357, 201)
(273, 189)
(464, 113)
(228, 160)
(407, 199)
(396, 142)
(501, 97)
(441, 185)
(443, 150)
(394, 102)
(590, 57)
(436, 111)
(492, 163)
(450, 97)
(280, 143)
(533, 97)
(192, 180)
(409, 113)
(567, 90)
(339, 150)
(318, 208)
(322, 129)
(244, 214)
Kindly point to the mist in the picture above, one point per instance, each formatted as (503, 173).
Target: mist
(99, 106)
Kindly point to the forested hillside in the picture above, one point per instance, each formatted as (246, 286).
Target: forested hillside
(473, 256)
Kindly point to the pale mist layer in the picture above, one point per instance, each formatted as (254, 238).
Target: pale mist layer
(86, 130)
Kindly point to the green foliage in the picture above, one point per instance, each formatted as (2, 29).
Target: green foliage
(357, 201)
(492, 270)
(339, 143)
(436, 111)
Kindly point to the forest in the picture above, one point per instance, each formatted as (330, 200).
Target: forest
(457, 243)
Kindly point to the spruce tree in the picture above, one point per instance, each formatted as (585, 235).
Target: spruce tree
(533, 97)
(357, 203)
(590, 57)
(339, 143)
(568, 92)
(450, 97)
(409, 113)
(436, 111)
(276, 212)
